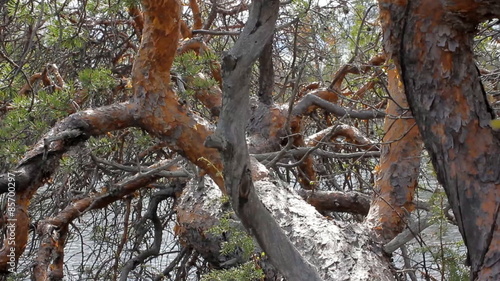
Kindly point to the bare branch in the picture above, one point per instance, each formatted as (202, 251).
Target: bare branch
(335, 201)
(335, 109)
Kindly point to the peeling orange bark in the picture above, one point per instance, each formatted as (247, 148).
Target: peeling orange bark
(267, 128)
(36, 170)
(186, 32)
(339, 76)
(399, 167)
(136, 14)
(28, 86)
(375, 61)
(211, 99)
(154, 108)
(160, 112)
(323, 94)
(195, 8)
(431, 43)
(50, 259)
(307, 174)
(18, 226)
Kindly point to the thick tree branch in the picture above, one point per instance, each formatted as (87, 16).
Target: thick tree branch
(230, 139)
(159, 110)
(313, 100)
(395, 184)
(51, 250)
(41, 161)
(335, 201)
(448, 102)
(154, 107)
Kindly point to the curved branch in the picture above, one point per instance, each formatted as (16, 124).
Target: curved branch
(159, 111)
(313, 100)
(138, 18)
(395, 185)
(154, 108)
(301, 151)
(230, 139)
(352, 134)
(158, 232)
(40, 162)
(195, 8)
(51, 250)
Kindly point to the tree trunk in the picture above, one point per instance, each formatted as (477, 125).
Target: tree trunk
(399, 167)
(431, 42)
(338, 251)
(230, 139)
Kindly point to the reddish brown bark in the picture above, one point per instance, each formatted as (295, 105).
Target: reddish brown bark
(307, 174)
(375, 61)
(50, 259)
(359, 94)
(38, 164)
(154, 107)
(195, 8)
(200, 47)
(340, 75)
(45, 78)
(210, 98)
(186, 32)
(399, 167)
(160, 112)
(28, 87)
(325, 99)
(431, 43)
(136, 15)
(54, 230)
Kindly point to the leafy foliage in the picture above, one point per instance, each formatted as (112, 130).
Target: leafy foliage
(246, 271)
(29, 119)
(188, 66)
(238, 242)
